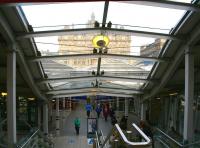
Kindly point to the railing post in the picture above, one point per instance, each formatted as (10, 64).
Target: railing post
(116, 141)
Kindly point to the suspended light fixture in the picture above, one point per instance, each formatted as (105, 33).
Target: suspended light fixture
(100, 41)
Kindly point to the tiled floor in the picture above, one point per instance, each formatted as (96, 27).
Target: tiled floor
(68, 138)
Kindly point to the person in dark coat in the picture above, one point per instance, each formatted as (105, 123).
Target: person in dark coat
(98, 110)
(145, 127)
(112, 112)
(113, 120)
(123, 123)
(109, 25)
(88, 108)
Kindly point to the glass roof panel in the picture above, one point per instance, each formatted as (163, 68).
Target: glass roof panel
(122, 84)
(64, 15)
(82, 44)
(83, 15)
(69, 68)
(71, 85)
(115, 64)
(144, 18)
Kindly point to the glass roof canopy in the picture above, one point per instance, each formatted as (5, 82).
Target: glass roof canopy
(119, 61)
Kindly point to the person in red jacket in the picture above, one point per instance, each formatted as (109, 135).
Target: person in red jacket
(105, 112)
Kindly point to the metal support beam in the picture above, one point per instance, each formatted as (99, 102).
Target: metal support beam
(93, 78)
(8, 34)
(105, 13)
(11, 99)
(45, 119)
(103, 26)
(98, 66)
(155, 3)
(90, 94)
(188, 132)
(167, 4)
(97, 30)
(114, 56)
(92, 89)
(194, 35)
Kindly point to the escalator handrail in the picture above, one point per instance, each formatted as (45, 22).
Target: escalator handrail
(146, 143)
(29, 139)
(173, 140)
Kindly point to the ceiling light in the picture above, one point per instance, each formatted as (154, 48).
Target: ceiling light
(100, 41)
(173, 94)
(4, 94)
(31, 99)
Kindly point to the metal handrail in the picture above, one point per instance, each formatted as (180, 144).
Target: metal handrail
(179, 144)
(3, 145)
(146, 143)
(97, 140)
(176, 142)
(46, 138)
(29, 139)
(103, 138)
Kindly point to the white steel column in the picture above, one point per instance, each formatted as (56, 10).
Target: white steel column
(57, 117)
(11, 98)
(45, 119)
(126, 107)
(189, 95)
(143, 111)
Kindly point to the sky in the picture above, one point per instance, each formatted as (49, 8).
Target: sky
(118, 13)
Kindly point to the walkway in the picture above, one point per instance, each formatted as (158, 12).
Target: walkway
(68, 136)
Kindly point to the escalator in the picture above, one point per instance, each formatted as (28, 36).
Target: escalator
(117, 138)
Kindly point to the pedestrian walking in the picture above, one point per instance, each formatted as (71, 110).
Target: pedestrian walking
(77, 124)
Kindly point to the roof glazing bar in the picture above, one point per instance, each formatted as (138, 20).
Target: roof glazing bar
(93, 89)
(95, 30)
(78, 56)
(167, 4)
(93, 78)
(91, 94)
